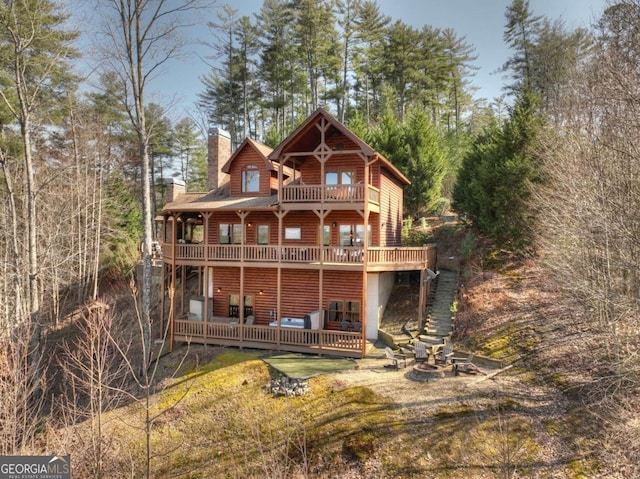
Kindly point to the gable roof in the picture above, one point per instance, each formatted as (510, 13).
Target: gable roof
(262, 150)
(366, 149)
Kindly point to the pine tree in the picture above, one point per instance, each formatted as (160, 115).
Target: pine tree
(191, 152)
(316, 40)
(372, 26)
(493, 188)
(521, 31)
(278, 62)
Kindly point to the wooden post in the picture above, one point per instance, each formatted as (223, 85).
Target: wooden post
(172, 313)
(421, 298)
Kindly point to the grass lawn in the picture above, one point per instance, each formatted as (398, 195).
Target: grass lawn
(300, 366)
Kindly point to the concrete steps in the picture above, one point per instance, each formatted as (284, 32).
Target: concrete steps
(440, 323)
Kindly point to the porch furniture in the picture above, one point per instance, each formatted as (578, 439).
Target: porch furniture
(357, 326)
(395, 359)
(249, 319)
(444, 355)
(345, 325)
(464, 364)
(234, 311)
(421, 352)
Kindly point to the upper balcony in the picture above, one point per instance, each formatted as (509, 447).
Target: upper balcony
(301, 196)
(339, 257)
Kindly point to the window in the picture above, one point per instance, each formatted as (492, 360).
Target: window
(331, 178)
(346, 235)
(347, 178)
(230, 233)
(250, 179)
(293, 233)
(263, 234)
(224, 235)
(353, 235)
(339, 177)
(344, 310)
(326, 235)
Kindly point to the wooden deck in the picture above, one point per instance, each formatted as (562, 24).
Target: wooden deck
(333, 343)
(378, 259)
(330, 194)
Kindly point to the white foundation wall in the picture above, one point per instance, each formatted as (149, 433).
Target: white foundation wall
(379, 287)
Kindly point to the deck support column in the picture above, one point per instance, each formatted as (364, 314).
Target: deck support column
(421, 298)
(172, 286)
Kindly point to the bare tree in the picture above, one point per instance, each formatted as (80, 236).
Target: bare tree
(140, 37)
(590, 230)
(96, 377)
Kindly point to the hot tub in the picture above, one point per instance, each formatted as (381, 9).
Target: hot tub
(291, 323)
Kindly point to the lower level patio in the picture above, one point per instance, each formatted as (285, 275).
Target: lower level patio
(275, 338)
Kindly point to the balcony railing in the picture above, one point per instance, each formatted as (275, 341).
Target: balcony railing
(330, 193)
(300, 254)
(341, 343)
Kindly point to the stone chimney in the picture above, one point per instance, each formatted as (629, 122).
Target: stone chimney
(219, 153)
(175, 187)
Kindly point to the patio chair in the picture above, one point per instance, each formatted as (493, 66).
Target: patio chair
(444, 355)
(421, 353)
(464, 364)
(395, 359)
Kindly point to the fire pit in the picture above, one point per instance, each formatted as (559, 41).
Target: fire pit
(425, 371)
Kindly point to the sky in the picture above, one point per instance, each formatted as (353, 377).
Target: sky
(481, 22)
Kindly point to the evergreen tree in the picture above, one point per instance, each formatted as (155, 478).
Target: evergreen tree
(248, 46)
(371, 25)
(401, 56)
(191, 152)
(221, 97)
(278, 63)
(493, 188)
(415, 148)
(316, 40)
(349, 11)
(426, 164)
(521, 31)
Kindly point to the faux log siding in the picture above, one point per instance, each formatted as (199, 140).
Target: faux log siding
(216, 219)
(249, 156)
(341, 285)
(390, 211)
(351, 218)
(345, 285)
(333, 141)
(374, 172)
(265, 279)
(308, 222)
(310, 169)
(228, 280)
(300, 292)
(257, 218)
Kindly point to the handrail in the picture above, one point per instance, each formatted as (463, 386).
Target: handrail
(268, 336)
(303, 254)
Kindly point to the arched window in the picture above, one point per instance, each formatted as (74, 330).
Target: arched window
(250, 179)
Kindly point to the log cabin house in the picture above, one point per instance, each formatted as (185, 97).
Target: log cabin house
(294, 249)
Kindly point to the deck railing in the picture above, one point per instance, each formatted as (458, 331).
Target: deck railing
(330, 193)
(301, 254)
(269, 337)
